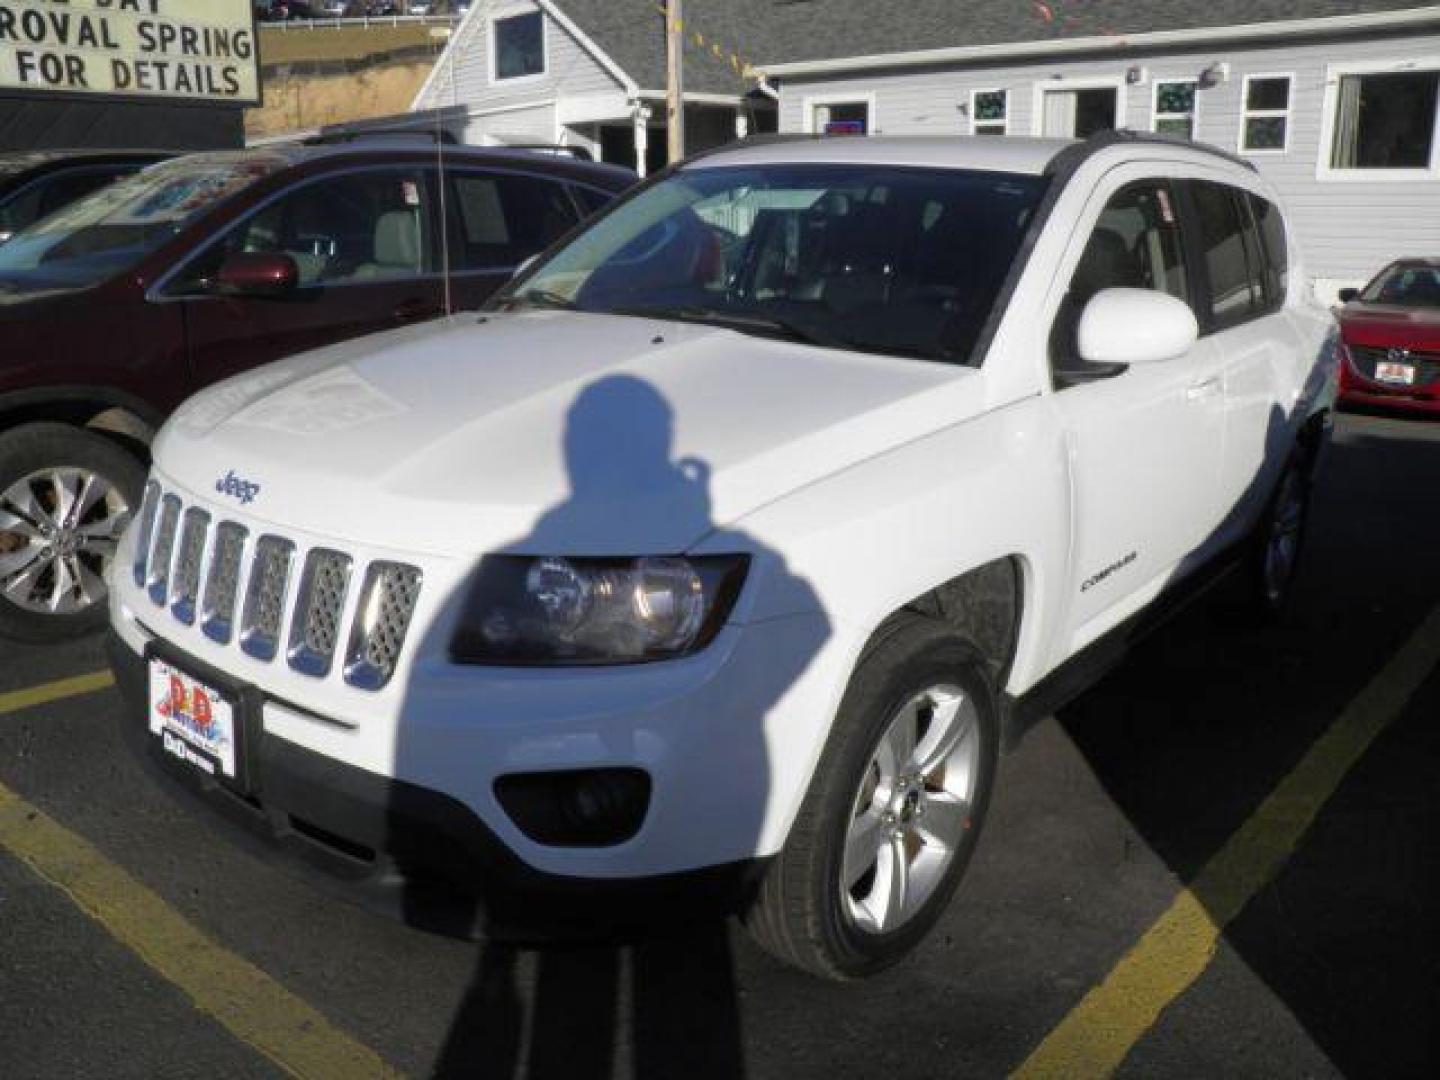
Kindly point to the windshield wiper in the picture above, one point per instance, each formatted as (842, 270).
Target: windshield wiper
(743, 321)
(542, 298)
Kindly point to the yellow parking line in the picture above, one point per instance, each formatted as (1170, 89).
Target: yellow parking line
(253, 1006)
(15, 700)
(250, 1004)
(1107, 1023)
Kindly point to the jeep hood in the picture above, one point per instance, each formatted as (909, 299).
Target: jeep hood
(561, 432)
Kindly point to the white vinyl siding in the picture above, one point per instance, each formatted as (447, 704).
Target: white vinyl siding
(1346, 231)
(570, 71)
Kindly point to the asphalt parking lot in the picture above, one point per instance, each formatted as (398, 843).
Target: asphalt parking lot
(1222, 860)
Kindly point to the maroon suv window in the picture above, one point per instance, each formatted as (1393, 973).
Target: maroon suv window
(355, 227)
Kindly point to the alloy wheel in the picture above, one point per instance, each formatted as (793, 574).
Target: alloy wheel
(59, 530)
(912, 810)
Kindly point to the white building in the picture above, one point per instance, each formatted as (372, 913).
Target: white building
(587, 73)
(1336, 102)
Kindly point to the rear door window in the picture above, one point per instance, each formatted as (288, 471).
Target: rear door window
(1277, 256)
(498, 220)
(1231, 253)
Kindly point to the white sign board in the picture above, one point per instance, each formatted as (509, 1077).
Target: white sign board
(196, 50)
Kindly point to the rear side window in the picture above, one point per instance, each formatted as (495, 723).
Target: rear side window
(497, 220)
(1232, 254)
(51, 193)
(1277, 255)
(591, 200)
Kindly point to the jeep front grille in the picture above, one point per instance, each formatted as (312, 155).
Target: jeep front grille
(158, 578)
(222, 585)
(317, 611)
(386, 604)
(265, 599)
(185, 583)
(147, 530)
(199, 568)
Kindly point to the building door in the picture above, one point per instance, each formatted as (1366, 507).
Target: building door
(1079, 113)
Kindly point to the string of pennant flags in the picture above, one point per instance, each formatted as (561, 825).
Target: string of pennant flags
(1064, 14)
(742, 67)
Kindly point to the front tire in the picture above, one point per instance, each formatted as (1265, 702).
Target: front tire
(893, 812)
(66, 495)
(1279, 540)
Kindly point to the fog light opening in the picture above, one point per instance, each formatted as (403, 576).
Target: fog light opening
(580, 808)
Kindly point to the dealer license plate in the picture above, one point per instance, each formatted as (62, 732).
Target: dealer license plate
(1387, 371)
(194, 722)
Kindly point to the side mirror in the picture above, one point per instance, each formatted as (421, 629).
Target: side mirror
(5, 235)
(1135, 326)
(1346, 295)
(257, 273)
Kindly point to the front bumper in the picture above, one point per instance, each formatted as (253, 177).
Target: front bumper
(1357, 390)
(406, 851)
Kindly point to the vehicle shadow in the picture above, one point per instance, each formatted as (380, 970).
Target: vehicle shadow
(1192, 733)
(643, 985)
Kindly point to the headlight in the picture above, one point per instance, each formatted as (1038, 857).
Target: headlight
(523, 610)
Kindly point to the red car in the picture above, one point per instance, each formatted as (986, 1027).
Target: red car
(1391, 338)
(121, 305)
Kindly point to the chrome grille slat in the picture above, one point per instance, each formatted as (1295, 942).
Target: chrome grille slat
(265, 597)
(205, 570)
(185, 578)
(315, 629)
(147, 531)
(222, 583)
(158, 575)
(386, 604)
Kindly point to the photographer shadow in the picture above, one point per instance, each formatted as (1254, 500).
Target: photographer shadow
(649, 989)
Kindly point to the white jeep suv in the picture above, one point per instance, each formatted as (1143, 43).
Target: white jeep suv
(736, 538)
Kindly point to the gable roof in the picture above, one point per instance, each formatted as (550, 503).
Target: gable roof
(808, 30)
(776, 34)
(632, 33)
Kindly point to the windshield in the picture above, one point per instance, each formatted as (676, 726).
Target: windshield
(881, 259)
(1408, 286)
(110, 231)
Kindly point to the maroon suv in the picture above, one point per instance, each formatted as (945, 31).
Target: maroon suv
(121, 305)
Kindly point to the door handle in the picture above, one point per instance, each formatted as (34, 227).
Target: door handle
(416, 308)
(1203, 389)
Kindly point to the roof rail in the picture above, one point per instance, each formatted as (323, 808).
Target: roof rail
(1102, 140)
(579, 153)
(395, 134)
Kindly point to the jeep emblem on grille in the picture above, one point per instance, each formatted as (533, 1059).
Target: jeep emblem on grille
(1397, 355)
(232, 485)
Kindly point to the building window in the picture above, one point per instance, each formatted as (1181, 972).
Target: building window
(1265, 119)
(989, 111)
(519, 46)
(841, 118)
(1384, 120)
(1175, 108)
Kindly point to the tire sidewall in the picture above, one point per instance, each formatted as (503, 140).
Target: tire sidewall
(1270, 606)
(871, 702)
(34, 447)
